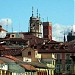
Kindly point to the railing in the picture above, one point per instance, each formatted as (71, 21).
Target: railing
(68, 61)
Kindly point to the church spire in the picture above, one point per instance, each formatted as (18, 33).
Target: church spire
(47, 19)
(39, 16)
(37, 13)
(32, 11)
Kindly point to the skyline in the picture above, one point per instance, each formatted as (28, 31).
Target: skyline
(59, 12)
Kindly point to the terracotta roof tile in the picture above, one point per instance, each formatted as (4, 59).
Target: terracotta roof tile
(1, 29)
(25, 65)
(3, 47)
(1, 62)
(6, 47)
(28, 67)
(11, 52)
(12, 58)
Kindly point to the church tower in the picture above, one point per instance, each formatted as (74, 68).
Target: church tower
(35, 25)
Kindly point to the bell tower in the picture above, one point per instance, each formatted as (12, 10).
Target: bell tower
(35, 25)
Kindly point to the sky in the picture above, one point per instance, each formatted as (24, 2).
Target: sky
(16, 13)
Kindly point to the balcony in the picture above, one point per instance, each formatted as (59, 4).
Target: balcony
(68, 61)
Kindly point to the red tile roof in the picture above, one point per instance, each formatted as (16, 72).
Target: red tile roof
(5, 47)
(1, 29)
(10, 52)
(25, 65)
(12, 58)
(2, 47)
(1, 62)
(29, 67)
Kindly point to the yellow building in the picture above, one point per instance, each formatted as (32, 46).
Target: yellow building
(48, 60)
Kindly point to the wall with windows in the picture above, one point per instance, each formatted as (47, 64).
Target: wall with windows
(29, 53)
(63, 62)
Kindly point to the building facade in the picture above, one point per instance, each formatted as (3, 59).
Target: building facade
(2, 32)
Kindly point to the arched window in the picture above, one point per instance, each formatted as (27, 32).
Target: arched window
(29, 53)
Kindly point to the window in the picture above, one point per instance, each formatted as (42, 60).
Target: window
(67, 56)
(56, 47)
(46, 47)
(12, 35)
(29, 53)
(68, 67)
(66, 47)
(58, 56)
(58, 68)
(35, 47)
(74, 45)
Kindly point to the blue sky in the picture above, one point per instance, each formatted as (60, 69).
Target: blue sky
(19, 11)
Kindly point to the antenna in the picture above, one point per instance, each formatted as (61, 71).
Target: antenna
(32, 11)
(72, 29)
(43, 19)
(37, 13)
(19, 27)
(7, 25)
(64, 37)
(12, 28)
(47, 19)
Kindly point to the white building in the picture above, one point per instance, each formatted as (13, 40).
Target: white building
(2, 32)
